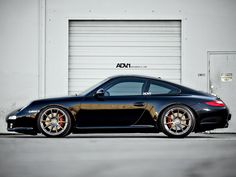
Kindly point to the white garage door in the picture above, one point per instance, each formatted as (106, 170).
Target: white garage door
(98, 49)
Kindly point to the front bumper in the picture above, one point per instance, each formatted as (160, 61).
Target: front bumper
(21, 124)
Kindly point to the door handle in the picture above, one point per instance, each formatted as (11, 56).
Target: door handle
(139, 104)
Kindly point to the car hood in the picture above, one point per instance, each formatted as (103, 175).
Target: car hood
(37, 105)
(65, 98)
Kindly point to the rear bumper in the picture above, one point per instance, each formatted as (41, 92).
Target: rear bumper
(211, 123)
(209, 119)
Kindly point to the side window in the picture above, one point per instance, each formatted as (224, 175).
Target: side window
(158, 88)
(126, 88)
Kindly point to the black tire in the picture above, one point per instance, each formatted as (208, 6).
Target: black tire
(54, 121)
(177, 121)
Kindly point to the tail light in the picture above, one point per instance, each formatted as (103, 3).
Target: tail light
(216, 103)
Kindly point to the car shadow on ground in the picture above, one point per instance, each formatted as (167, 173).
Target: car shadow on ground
(107, 136)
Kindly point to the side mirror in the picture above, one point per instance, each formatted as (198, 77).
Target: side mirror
(100, 93)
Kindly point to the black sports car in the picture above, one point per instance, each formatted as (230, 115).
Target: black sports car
(124, 104)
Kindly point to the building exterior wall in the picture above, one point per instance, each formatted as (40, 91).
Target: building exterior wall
(18, 55)
(206, 26)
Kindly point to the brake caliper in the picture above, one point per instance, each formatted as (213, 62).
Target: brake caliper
(60, 120)
(169, 120)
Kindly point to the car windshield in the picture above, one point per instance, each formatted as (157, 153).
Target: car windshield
(93, 87)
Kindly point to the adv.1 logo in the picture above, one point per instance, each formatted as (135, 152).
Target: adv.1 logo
(123, 65)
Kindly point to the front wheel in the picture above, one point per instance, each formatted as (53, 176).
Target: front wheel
(54, 121)
(177, 121)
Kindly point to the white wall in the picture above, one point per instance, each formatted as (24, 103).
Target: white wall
(18, 55)
(206, 26)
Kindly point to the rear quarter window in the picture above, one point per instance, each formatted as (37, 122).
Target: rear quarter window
(158, 88)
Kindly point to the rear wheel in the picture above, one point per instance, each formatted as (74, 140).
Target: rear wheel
(54, 121)
(177, 121)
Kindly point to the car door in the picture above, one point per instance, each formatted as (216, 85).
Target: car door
(122, 105)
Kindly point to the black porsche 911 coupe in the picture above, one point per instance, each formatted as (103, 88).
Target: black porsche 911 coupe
(124, 104)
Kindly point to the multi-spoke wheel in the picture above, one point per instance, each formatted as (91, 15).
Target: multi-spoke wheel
(177, 121)
(54, 122)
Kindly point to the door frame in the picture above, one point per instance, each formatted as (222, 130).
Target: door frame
(209, 54)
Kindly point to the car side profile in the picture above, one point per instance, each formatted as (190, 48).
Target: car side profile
(127, 103)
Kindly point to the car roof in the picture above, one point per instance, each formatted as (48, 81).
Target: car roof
(136, 76)
(183, 89)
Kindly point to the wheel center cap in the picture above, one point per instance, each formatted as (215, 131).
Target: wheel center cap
(54, 121)
(177, 121)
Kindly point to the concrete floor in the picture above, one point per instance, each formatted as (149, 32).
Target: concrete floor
(113, 155)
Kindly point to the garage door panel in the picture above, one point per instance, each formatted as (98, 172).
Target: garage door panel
(128, 32)
(126, 23)
(137, 66)
(115, 29)
(121, 51)
(151, 48)
(124, 44)
(125, 59)
(103, 73)
(124, 38)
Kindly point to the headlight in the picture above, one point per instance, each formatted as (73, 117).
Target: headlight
(12, 118)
